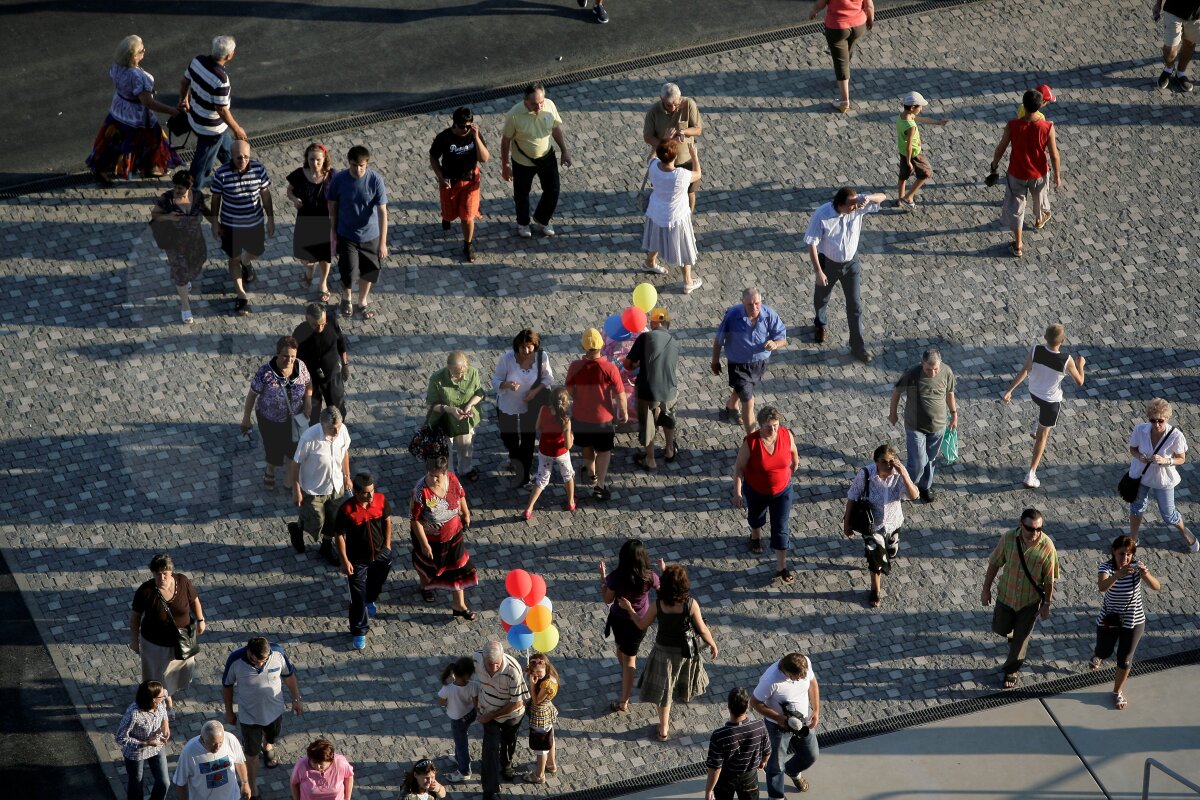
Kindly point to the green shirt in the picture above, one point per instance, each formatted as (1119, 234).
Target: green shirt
(658, 121)
(1013, 587)
(902, 126)
(926, 399)
(443, 390)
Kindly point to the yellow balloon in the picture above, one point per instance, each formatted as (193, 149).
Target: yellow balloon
(537, 618)
(645, 296)
(547, 640)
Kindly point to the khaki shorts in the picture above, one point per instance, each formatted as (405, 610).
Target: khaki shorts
(1175, 29)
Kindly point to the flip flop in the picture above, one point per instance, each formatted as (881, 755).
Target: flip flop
(1012, 681)
(1012, 248)
(616, 708)
(324, 297)
(428, 596)
(785, 575)
(1119, 701)
(756, 545)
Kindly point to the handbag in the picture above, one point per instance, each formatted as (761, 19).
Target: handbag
(1114, 619)
(1129, 486)
(862, 514)
(694, 642)
(186, 646)
(542, 398)
(178, 124)
(430, 441)
(950, 446)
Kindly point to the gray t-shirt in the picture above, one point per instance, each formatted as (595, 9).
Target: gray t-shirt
(657, 353)
(925, 398)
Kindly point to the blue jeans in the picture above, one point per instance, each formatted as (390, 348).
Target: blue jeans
(1166, 504)
(921, 453)
(792, 765)
(365, 585)
(157, 766)
(849, 275)
(462, 750)
(209, 150)
(780, 507)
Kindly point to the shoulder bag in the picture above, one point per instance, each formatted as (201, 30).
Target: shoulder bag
(1114, 619)
(166, 236)
(1129, 486)
(694, 644)
(642, 197)
(1028, 574)
(186, 646)
(299, 421)
(542, 398)
(862, 515)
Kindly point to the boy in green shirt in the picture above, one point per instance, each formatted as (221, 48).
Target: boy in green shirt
(912, 159)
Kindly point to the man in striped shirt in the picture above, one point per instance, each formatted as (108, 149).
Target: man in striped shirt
(204, 96)
(241, 193)
(502, 693)
(736, 752)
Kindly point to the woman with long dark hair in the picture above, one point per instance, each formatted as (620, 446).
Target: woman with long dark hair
(632, 581)
(520, 377)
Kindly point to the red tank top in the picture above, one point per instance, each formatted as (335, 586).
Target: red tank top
(1029, 138)
(769, 473)
(552, 442)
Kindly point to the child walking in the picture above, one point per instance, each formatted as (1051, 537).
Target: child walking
(458, 695)
(555, 440)
(913, 160)
(543, 686)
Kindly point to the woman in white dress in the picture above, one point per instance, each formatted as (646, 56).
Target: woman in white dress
(668, 233)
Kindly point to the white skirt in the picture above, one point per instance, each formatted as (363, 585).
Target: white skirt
(675, 244)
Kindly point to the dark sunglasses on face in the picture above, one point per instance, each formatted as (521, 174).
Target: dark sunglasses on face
(1032, 529)
(1157, 421)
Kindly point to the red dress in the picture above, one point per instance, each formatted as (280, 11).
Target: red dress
(441, 517)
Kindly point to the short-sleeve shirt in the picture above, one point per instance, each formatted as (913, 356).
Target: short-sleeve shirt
(843, 14)
(659, 121)
(745, 341)
(543, 715)
(637, 595)
(596, 384)
(1014, 588)
(530, 133)
(241, 194)
(657, 355)
(156, 627)
(210, 776)
(926, 399)
(209, 91)
(1156, 476)
(903, 126)
(1046, 373)
(460, 700)
(312, 195)
(885, 497)
(320, 459)
(279, 397)
(776, 690)
(506, 686)
(128, 85)
(668, 204)
(358, 203)
(258, 690)
(457, 155)
(1124, 597)
(738, 747)
(317, 785)
(363, 527)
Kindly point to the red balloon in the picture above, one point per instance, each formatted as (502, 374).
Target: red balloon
(518, 583)
(634, 319)
(506, 626)
(537, 592)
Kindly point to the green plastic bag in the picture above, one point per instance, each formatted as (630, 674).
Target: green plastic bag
(950, 446)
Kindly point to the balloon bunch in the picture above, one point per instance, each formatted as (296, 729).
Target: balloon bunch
(632, 320)
(526, 613)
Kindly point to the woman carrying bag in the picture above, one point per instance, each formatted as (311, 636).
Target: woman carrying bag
(1123, 615)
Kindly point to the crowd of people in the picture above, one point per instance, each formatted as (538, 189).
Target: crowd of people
(298, 399)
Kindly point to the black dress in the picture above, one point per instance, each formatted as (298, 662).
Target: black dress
(310, 242)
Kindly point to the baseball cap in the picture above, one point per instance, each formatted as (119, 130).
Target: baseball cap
(591, 339)
(1047, 93)
(915, 99)
(660, 314)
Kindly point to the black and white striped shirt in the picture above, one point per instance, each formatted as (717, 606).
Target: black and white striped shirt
(209, 89)
(1124, 597)
(240, 193)
(737, 748)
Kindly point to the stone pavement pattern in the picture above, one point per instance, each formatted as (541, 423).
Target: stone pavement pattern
(123, 425)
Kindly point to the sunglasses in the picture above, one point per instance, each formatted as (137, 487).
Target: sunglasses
(1157, 421)
(1032, 529)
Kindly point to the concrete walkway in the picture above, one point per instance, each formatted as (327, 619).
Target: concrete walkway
(1073, 745)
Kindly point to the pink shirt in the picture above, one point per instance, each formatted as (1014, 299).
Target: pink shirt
(327, 785)
(842, 14)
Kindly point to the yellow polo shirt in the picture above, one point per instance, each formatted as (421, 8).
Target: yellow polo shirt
(529, 132)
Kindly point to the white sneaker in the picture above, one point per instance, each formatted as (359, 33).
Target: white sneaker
(458, 777)
(547, 229)
(693, 286)
(1031, 480)
(1194, 547)
(523, 231)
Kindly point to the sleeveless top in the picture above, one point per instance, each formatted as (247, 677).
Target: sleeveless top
(1029, 139)
(673, 626)
(769, 473)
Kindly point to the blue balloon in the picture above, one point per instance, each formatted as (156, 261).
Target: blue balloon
(615, 329)
(520, 637)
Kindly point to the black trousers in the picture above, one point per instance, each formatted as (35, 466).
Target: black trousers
(546, 170)
(329, 392)
(744, 786)
(519, 434)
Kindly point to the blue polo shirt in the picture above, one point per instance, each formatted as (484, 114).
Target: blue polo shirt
(743, 341)
(259, 690)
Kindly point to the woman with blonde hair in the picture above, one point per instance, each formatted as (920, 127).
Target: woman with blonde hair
(310, 238)
(131, 140)
(1155, 449)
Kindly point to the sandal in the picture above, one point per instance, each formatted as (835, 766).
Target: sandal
(874, 600)
(1094, 664)
(785, 575)
(365, 312)
(1012, 681)
(670, 459)
(472, 476)
(347, 309)
(269, 759)
(306, 281)
(1119, 701)
(185, 317)
(841, 107)
(269, 480)
(756, 545)
(617, 708)
(465, 613)
(641, 462)
(658, 734)
(1012, 248)
(800, 783)
(324, 296)
(1042, 220)
(428, 596)
(538, 780)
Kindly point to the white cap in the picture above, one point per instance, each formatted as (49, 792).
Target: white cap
(915, 99)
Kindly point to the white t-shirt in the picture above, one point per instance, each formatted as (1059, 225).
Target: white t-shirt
(460, 700)
(669, 201)
(320, 460)
(1157, 476)
(776, 689)
(210, 776)
(1046, 373)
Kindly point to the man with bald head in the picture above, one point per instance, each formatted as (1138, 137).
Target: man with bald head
(212, 766)
(241, 193)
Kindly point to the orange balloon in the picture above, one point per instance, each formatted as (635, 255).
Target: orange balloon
(538, 618)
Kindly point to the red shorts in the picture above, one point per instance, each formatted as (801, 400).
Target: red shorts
(461, 200)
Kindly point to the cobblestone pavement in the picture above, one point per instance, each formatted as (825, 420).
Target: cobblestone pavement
(122, 437)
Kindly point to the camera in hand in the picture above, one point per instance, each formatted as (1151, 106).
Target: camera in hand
(795, 720)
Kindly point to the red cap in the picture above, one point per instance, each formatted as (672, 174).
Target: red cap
(1047, 93)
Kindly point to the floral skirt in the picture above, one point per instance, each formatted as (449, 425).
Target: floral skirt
(122, 150)
(450, 568)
